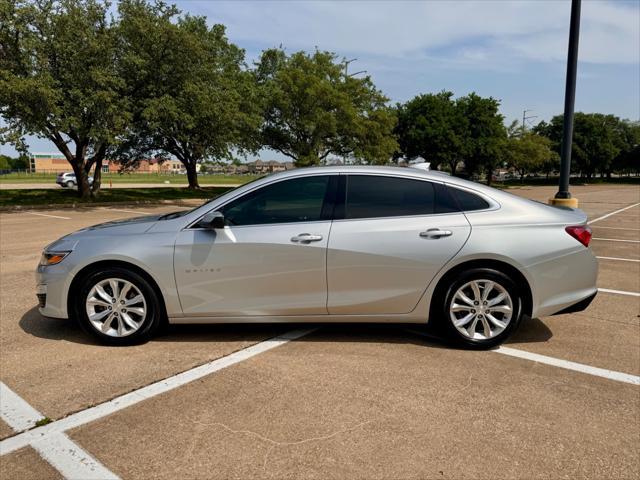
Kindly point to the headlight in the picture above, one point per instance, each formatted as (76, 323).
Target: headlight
(52, 258)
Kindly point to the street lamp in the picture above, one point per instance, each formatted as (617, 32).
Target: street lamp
(563, 197)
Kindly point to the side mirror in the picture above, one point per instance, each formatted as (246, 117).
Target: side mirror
(212, 220)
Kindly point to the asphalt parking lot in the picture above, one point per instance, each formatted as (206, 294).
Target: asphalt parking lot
(560, 400)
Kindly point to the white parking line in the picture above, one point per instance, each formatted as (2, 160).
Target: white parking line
(613, 213)
(619, 228)
(619, 292)
(619, 259)
(129, 211)
(50, 216)
(557, 362)
(576, 367)
(615, 240)
(83, 417)
(70, 460)
(59, 450)
(15, 412)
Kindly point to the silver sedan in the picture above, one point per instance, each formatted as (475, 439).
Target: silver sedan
(330, 244)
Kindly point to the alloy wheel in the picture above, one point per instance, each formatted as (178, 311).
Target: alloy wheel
(116, 307)
(481, 309)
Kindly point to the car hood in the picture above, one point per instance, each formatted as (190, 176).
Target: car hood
(136, 225)
(129, 226)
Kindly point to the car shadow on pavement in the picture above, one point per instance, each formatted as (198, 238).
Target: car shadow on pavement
(53, 328)
(32, 323)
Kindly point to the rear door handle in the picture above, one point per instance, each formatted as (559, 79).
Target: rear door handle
(436, 233)
(306, 238)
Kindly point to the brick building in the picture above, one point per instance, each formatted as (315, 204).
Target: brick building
(56, 163)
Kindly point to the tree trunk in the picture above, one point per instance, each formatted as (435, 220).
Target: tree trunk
(82, 179)
(97, 178)
(192, 174)
(453, 166)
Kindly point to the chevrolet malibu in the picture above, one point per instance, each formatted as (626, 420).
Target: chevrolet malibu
(329, 244)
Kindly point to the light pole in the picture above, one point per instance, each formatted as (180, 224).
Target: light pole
(563, 197)
(346, 66)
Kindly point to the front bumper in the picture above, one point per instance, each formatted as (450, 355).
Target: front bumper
(51, 288)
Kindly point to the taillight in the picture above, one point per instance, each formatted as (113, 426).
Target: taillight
(582, 233)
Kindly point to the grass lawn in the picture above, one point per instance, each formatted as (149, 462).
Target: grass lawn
(33, 197)
(132, 178)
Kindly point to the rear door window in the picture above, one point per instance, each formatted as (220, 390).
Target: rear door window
(372, 196)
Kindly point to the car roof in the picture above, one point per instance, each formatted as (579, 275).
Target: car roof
(406, 172)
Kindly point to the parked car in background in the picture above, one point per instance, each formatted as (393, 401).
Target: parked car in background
(330, 244)
(68, 180)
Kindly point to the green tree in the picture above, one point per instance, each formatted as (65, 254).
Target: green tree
(312, 109)
(58, 80)
(628, 159)
(193, 97)
(5, 162)
(527, 152)
(485, 134)
(432, 126)
(597, 141)
(447, 131)
(10, 163)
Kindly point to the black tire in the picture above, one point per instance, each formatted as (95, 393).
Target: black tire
(70, 184)
(154, 311)
(443, 317)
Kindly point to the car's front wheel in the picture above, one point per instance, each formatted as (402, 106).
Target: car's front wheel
(481, 308)
(118, 306)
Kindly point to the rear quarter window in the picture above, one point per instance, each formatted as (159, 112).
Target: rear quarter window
(468, 201)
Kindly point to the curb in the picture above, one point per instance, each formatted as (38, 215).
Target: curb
(56, 206)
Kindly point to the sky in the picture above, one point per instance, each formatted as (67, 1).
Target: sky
(514, 51)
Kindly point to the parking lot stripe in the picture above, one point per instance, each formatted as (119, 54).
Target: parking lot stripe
(613, 213)
(619, 259)
(15, 412)
(556, 362)
(619, 292)
(619, 228)
(129, 211)
(23, 439)
(59, 450)
(577, 367)
(71, 460)
(615, 240)
(50, 216)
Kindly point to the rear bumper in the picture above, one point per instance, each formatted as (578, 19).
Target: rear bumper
(564, 282)
(578, 306)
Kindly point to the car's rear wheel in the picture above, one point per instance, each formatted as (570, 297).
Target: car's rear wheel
(70, 184)
(481, 308)
(119, 307)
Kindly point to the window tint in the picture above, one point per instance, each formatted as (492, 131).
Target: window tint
(296, 200)
(445, 203)
(371, 196)
(468, 201)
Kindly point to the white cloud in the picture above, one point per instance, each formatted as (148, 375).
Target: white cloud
(477, 31)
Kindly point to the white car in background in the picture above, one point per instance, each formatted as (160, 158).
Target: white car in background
(68, 180)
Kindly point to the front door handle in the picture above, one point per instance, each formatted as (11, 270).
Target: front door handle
(436, 233)
(306, 238)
